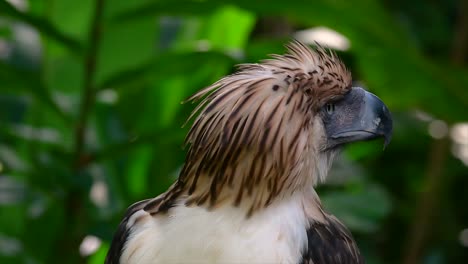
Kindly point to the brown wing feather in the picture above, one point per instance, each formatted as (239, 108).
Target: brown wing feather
(151, 206)
(330, 243)
(121, 236)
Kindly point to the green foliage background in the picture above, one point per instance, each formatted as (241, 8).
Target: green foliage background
(90, 114)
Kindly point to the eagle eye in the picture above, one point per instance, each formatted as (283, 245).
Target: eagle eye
(330, 108)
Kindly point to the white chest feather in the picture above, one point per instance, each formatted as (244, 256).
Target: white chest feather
(195, 235)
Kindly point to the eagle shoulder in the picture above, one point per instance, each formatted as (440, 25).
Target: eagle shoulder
(330, 243)
(122, 233)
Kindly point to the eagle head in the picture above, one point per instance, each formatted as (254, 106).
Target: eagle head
(273, 128)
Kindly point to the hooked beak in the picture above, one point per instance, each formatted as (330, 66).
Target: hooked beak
(359, 116)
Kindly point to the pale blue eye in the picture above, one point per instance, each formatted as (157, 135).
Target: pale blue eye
(330, 108)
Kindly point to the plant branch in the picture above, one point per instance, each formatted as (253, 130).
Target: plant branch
(88, 95)
(76, 214)
(428, 202)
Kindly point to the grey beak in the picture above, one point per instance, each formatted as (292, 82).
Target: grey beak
(359, 116)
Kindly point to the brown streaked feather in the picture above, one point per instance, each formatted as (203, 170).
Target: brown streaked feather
(252, 128)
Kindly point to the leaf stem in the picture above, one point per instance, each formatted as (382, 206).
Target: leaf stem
(88, 95)
(76, 220)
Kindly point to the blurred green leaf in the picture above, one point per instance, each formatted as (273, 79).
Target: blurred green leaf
(44, 26)
(138, 170)
(362, 210)
(371, 44)
(72, 17)
(364, 149)
(5, 32)
(168, 64)
(125, 47)
(26, 82)
(100, 256)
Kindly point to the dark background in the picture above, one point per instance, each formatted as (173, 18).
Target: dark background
(90, 115)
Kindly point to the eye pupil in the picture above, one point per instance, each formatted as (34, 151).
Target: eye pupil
(330, 108)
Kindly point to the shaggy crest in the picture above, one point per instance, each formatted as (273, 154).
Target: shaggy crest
(252, 138)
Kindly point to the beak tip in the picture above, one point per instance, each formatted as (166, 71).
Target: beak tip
(387, 141)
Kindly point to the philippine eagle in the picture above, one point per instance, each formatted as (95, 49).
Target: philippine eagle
(263, 138)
